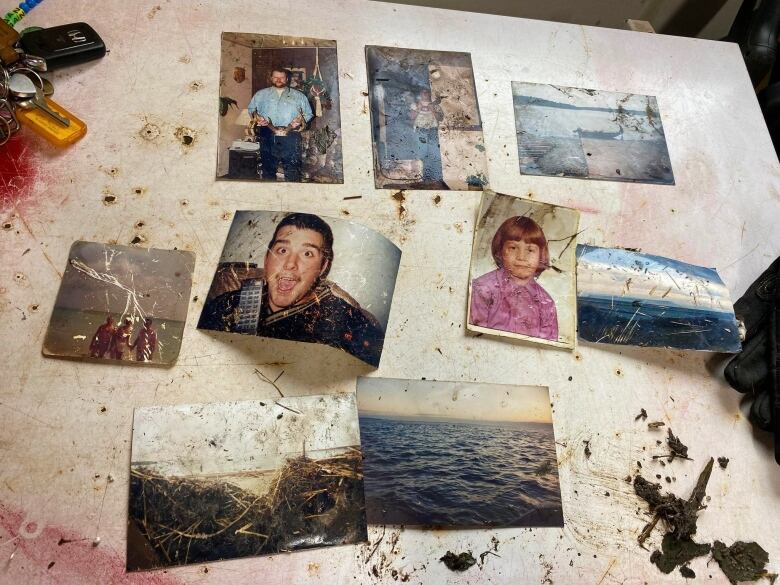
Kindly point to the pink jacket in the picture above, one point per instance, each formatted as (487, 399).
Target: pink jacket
(498, 302)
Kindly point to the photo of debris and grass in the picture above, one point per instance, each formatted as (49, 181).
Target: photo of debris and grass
(228, 480)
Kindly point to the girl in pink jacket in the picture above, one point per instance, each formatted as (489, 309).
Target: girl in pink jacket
(509, 298)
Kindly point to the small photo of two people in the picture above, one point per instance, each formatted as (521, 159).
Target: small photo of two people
(279, 109)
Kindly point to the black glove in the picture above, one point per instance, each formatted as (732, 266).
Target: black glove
(756, 370)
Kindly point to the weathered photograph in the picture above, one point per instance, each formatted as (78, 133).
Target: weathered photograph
(522, 282)
(303, 277)
(121, 304)
(575, 132)
(219, 481)
(631, 298)
(458, 454)
(425, 120)
(279, 114)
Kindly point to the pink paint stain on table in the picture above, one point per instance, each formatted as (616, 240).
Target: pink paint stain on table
(19, 166)
(33, 553)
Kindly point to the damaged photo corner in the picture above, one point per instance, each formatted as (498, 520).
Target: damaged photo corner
(302, 277)
(121, 304)
(522, 276)
(219, 481)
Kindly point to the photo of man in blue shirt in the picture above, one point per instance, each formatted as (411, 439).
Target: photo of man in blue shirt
(280, 114)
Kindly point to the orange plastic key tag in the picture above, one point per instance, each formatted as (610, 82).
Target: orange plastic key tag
(50, 124)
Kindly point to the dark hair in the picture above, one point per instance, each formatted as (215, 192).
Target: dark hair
(307, 221)
(280, 70)
(522, 229)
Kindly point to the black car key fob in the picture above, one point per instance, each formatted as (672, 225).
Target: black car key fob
(63, 46)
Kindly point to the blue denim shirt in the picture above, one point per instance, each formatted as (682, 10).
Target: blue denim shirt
(280, 109)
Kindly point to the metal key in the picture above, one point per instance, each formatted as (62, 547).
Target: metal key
(21, 86)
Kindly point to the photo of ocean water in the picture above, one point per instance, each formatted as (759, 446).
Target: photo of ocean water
(432, 471)
(646, 323)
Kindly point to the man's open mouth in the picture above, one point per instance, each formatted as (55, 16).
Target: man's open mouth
(285, 284)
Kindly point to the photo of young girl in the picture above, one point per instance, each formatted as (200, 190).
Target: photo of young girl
(510, 298)
(523, 271)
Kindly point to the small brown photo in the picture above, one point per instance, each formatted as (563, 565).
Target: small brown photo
(122, 304)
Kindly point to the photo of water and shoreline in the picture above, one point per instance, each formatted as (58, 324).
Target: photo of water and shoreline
(630, 298)
(590, 134)
(461, 454)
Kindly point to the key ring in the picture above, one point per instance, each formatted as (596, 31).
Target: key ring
(9, 117)
(4, 83)
(6, 134)
(34, 74)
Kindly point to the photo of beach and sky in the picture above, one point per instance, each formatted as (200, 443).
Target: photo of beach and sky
(458, 454)
(630, 298)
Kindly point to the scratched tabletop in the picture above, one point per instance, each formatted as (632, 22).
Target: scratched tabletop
(146, 168)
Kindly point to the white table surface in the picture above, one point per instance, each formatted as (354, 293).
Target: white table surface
(65, 426)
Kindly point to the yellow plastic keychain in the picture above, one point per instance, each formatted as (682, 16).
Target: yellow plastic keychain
(43, 123)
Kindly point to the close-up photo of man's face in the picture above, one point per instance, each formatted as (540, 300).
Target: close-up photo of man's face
(293, 264)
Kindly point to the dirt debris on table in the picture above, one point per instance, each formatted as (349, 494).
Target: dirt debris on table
(678, 514)
(742, 561)
(458, 562)
(676, 446)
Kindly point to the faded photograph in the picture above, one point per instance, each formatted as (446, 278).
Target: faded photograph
(279, 114)
(574, 132)
(235, 479)
(302, 277)
(522, 281)
(458, 454)
(425, 120)
(121, 303)
(630, 298)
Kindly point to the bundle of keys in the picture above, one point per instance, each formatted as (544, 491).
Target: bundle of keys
(24, 96)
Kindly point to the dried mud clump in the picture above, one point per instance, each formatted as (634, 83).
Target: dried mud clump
(742, 561)
(460, 562)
